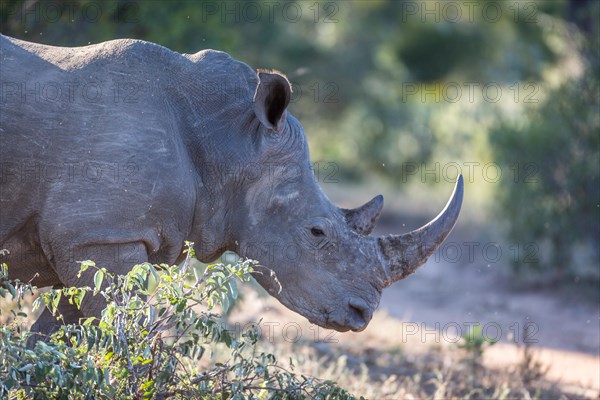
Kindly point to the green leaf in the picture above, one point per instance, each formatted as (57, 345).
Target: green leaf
(55, 300)
(98, 278)
(79, 298)
(84, 266)
(26, 368)
(181, 305)
(154, 273)
(151, 315)
(36, 303)
(12, 290)
(233, 289)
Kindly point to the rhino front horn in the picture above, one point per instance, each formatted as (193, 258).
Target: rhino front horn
(401, 255)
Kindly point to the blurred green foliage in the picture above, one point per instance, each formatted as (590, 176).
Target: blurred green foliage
(554, 152)
(382, 85)
(350, 62)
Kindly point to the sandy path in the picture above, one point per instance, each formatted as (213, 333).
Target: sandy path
(442, 301)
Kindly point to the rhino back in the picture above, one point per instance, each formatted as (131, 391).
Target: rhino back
(90, 141)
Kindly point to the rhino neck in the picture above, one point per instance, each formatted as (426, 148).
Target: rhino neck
(212, 100)
(220, 157)
(209, 229)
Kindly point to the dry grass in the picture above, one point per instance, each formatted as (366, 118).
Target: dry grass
(379, 364)
(6, 308)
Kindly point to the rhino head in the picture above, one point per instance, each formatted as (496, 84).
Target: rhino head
(316, 258)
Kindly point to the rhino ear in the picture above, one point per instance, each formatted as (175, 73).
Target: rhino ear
(271, 99)
(362, 219)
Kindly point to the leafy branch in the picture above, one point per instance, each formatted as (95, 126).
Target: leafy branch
(151, 340)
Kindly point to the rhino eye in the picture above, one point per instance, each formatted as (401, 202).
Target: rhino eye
(317, 232)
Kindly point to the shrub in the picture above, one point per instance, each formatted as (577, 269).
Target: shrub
(550, 197)
(151, 341)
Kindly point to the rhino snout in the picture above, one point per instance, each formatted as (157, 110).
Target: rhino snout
(355, 316)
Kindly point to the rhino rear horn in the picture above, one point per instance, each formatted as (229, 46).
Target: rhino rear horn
(271, 99)
(401, 255)
(362, 220)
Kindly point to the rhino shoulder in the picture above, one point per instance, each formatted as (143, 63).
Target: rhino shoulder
(70, 58)
(134, 49)
(220, 67)
(209, 55)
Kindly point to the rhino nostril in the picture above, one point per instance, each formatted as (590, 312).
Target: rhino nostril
(361, 313)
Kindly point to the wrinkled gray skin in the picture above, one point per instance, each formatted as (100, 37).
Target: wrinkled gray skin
(121, 151)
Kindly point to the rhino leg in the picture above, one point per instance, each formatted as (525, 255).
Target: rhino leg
(47, 323)
(116, 258)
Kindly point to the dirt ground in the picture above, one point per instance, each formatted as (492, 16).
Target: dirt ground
(445, 298)
(441, 301)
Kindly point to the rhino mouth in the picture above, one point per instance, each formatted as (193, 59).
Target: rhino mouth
(354, 317)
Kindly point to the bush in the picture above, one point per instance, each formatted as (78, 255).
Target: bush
(550, 197)
(151, 342)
